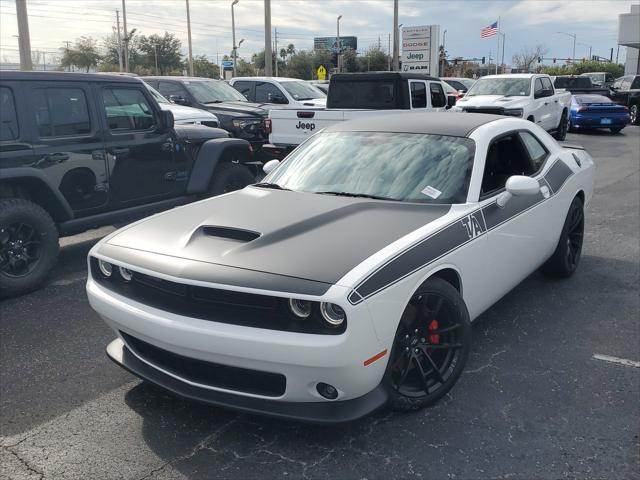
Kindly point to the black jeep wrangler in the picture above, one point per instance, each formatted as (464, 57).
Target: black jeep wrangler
(78, 151)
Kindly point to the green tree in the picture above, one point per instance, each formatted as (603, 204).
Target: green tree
(350, 61)
(374, 60)
(166, 47)
(582, 67)
(246, 69)
(202, 67)
(83, 55)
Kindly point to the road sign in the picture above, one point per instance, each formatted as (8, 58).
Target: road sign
(227, 64)
(322, 73)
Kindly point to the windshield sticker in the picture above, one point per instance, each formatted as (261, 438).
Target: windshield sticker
(429, 191)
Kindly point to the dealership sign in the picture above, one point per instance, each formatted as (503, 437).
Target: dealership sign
(420, 49)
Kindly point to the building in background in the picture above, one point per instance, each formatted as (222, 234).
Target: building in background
(629, 36)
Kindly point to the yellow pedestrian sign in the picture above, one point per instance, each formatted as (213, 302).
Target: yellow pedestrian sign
(322, 73)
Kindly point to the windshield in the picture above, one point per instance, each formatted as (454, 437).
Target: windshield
(156, 94)
(302, 90)
(213, 91)
(407, 167)
(597, 78)
(467, 82)
(572, 82)
(516, 87)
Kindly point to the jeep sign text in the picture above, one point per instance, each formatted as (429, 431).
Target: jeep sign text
(306, 126)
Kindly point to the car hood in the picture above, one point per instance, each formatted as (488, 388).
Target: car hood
(492, 101)
(301, 235)
(242, 108)
(180, 112)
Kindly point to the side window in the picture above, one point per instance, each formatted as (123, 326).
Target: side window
(506, 157)
(636, 83)
(245, 88)
(626, 84)
(418, 94)
(266, 91)
(546, 84)
(438, 98)
(167, 89)
(8, 118)
(537, 152)
(608, 78)
(127, 109)
(61, 112)
(537, 88)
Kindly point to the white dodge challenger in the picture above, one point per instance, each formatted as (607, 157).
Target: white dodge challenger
(348, 278)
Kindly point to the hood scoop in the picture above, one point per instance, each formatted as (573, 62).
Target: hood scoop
(230, 233)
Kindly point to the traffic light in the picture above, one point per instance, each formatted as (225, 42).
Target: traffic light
(554, 60)
(483, 60)
(455, 61)
(539, 59)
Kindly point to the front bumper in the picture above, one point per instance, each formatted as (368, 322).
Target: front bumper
(314, 412)
(303, 359)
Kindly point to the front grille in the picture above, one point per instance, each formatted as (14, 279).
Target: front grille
(213, 304)
(208, 373)
(491, 110)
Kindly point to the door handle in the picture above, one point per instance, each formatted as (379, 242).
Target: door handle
(56, 157)
(119, 151)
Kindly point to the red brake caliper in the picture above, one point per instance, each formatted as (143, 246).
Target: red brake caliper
(434, 339)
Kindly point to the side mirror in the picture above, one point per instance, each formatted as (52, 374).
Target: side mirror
(451, 101)
(518, 186)
(270, 166)
(178, 99)
(167, 119)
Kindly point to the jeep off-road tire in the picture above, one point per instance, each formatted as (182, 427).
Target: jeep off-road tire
(430, 348)
(561, 132)
(228, 177)
(566, 257)
(28, 246)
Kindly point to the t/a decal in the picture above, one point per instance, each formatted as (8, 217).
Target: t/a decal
(473, 226)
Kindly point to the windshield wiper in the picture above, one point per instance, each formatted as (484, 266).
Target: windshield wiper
(356, 195)
(274, 186)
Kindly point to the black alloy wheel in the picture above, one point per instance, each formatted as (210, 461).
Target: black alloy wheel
(20, 249)
(633, 114)
(430, 348)
(566, 257)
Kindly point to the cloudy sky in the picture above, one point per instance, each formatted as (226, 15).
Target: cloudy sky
(525, 22)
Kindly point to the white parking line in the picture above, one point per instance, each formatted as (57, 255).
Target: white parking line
(620, 361)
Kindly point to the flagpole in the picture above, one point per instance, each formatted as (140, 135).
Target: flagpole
(498, 50)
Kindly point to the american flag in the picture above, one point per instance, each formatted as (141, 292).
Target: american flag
(489, 31)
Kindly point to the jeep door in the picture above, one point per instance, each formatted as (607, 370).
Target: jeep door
(15, 136)
(139, 151)
(68, 143)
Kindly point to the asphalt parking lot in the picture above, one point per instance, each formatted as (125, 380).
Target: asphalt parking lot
(533, 403)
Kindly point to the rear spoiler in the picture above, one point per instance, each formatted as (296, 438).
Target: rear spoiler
(573, 146)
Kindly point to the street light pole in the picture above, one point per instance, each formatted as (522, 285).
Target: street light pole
(572, 35)
(24, 41)
(233, 34)
(444, 40)
(126, 37)
(155, 51)
(338, 42)
(268, 55)
(396, 40)
(189, 36)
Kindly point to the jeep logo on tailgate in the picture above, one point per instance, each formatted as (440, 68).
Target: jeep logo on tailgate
(306, 126)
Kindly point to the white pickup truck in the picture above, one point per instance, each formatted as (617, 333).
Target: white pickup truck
(354, 95)
(526, 95)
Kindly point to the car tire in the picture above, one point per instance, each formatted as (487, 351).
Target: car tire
(28, 246)
(421, 369)
(616, 130)
(228, 177)
(561, 132)
(633, 115)
(566, 257)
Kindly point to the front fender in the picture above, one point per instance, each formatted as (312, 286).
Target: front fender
(210, 154)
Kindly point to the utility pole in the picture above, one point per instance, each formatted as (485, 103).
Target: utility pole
(24, 40)
(617, 54)
(67, 50)
(155, 51)
(268, 54)
(189, 35)
(396, 40)
(444, 42)
(126, 37)
(338, 46)
(504, 37)
(234, 51)
(389, 51)
(119, 40)
(276, 49)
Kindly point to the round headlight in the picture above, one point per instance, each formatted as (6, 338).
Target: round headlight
(333, 314)
(126, 274)
(300, 308)
(106, 268)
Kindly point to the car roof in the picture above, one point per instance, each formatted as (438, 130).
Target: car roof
(350, 77)
(68, 77)
(513, 75)
(455, 124)
(180, 78)
(275, 79)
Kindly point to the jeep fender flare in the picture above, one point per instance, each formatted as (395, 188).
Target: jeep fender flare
(46, 195)
(209, 155)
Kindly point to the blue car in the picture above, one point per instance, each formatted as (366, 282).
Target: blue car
(596, 111)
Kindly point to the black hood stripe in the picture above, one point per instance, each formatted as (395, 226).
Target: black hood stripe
(455, 235)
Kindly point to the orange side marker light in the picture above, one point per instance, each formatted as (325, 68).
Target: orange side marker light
(377, 356)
